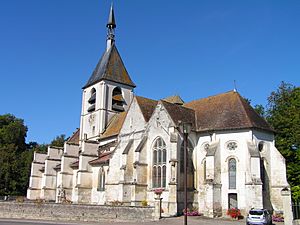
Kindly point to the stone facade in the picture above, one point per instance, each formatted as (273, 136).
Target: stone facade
(128, 146)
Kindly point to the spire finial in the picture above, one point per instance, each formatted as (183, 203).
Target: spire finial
(111, 25)
(234, 83)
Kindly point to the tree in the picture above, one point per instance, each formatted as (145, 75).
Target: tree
(16, 156)
(58, 141)
(260, 109)
(12, 153)
(283, 113)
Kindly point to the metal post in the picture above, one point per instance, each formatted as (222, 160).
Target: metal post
(160, 207)
(185, 176)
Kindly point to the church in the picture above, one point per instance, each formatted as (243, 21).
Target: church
(128, 147)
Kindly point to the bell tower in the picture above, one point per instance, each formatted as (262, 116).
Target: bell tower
(108, 91)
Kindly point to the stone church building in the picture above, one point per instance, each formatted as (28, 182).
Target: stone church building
(128, 146)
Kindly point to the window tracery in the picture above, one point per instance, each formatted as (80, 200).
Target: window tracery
(159, 163)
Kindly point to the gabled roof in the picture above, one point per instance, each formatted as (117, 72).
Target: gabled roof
(111, 68)
(176, 99)
(180, 113)
(114, 126)
(226, 111)
(147, 106)
(74, 139)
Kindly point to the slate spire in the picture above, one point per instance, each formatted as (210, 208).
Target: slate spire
(111, 25)
(110, 67)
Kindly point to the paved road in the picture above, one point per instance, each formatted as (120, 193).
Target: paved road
(164, 221)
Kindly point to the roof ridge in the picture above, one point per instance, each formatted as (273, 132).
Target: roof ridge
(176, 104)
(212, 96)
(240, 98)
(244, 103)
(145, 98)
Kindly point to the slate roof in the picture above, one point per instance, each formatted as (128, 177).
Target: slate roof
(226, 111)
(110, 67)
(147, 106)
(74, 139)
(114, 126)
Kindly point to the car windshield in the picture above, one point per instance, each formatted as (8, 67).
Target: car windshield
(257, 213)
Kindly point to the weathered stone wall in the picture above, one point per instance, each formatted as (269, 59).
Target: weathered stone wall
(66, 212)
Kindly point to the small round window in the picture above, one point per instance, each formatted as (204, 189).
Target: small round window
(206, 146)
(232, 146)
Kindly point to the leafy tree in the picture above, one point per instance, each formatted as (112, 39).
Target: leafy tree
(12, 150)
(16, 156)
(59, 141)
(260, 109)
(283, 113)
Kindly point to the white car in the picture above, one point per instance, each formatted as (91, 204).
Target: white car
(259, 216)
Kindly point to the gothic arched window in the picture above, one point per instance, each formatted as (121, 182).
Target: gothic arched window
(159, 170)
(232, 173)
(101, 179)
(92, 100)
(117, 100)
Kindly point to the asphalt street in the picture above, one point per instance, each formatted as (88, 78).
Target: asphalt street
(164, 221)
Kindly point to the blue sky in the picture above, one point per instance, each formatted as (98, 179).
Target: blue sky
(48, 50)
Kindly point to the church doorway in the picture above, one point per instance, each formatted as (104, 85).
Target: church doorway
(232, 201)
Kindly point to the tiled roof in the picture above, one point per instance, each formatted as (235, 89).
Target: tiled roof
(114, 126)
(74, 139)
(147, 106)
(176, 99)
(180, 113)
(110, 67)
(103, 158)
(225, 112)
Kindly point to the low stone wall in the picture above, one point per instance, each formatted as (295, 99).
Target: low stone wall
(72, 212)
